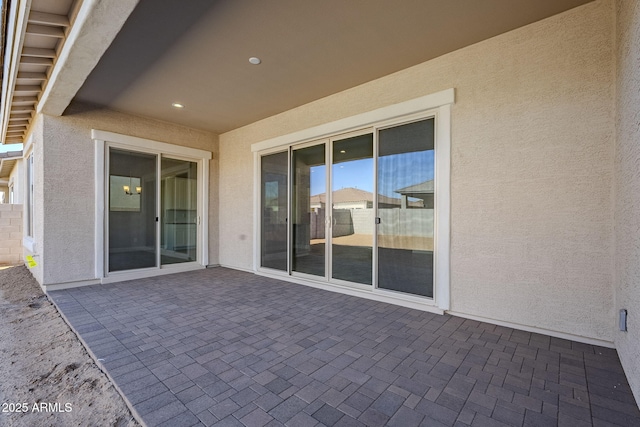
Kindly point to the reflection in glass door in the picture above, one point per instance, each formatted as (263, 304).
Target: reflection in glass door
(132, 210)
(405, 208)
(352, 218)
(308, 210)
(179, 211)
(274, 197)
(367, 219)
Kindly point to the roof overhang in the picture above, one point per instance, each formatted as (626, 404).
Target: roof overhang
(11, 155)
(51, 47)
(8, 161)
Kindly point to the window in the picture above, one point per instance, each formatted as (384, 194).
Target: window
(30, 199)
(120, 187)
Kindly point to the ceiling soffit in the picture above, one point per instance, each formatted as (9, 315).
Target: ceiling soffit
(196, 53)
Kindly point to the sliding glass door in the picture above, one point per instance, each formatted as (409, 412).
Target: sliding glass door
(405, 208)
(132, 210)
(179, 213)
(352, 219)
(273, 219)
(309, 207)
(361, 209)
(144, 230)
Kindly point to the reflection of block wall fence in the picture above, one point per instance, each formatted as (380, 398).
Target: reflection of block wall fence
(10, 234)
(400, 222)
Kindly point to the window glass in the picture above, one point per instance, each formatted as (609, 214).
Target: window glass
(406, 208)
(352, 221)
(132, 224)
(309, 210)
(179, 211)
(273, 190)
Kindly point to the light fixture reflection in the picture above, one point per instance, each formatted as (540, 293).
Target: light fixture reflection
(127, 189)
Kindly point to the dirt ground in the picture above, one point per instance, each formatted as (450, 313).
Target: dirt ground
(46, 376)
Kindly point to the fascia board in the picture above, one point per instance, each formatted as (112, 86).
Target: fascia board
(96, 25)
(16, 29)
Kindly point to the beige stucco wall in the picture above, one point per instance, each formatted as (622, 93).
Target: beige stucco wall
(68, 185)
(627, 187)
(532, 144)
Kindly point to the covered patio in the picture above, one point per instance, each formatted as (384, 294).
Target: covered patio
(225, 347)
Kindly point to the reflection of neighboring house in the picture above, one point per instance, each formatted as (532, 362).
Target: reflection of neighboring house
(354, 198)
(422, 191)
(345, 198)
(10, 156)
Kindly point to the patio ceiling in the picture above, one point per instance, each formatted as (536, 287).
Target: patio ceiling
(196, 53)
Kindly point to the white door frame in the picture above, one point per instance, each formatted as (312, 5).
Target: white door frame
(103, 141)
(437, 105)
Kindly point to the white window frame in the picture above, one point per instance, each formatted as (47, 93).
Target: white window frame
(27, 195)
(29, 232)
(103, 141)
(436, 105)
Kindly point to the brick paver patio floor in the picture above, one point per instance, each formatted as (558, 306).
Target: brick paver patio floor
(223, 347)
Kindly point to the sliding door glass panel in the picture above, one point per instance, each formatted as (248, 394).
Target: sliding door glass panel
(352, 220)
(273, 190)
(132, 210)
(179, 211)
(309, 210)
(405, 208)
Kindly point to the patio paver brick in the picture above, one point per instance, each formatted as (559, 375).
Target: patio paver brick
(229, 348)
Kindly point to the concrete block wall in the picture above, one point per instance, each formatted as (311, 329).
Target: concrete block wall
(10, 234)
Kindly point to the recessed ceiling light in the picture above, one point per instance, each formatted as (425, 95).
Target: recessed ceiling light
(342, 151)
(254, 60)
(177, 105)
